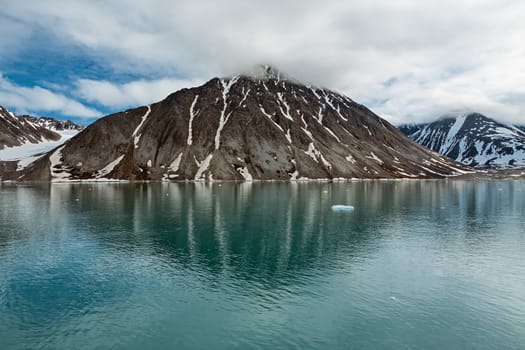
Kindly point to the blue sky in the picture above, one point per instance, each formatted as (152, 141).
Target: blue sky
(51, 64)
(407, 60)
(46, 62)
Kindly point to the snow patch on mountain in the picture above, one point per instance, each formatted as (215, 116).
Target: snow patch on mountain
(29, 149)
(109, 168)
(24, 138)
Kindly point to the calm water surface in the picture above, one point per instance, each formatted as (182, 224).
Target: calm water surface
(417, 265)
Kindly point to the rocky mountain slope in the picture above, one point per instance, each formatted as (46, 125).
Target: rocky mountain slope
(241, 128)
(24, 137)
(16, 130)
(472, 139)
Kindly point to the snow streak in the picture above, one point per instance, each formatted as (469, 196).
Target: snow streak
(203, 166)
(144, 117)
(193, 113)
(226, 86)
(109, 167)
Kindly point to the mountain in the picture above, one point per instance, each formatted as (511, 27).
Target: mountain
(472, 139)
(260, 127)
(54, 124)
(23, 136)
(16, 130)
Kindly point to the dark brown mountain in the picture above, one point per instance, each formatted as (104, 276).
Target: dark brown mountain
(242, 128)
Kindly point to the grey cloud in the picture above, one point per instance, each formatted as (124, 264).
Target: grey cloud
(135, 93)
(439, 55)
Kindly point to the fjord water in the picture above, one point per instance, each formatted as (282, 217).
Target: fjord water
(416, 265)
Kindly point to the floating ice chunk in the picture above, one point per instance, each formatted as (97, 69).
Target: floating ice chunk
(341, 207)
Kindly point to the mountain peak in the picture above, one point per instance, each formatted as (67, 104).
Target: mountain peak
(465, 114)
(266, 72)
(270, 72)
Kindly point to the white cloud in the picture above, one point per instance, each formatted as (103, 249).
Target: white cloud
(438, 55)
(135, 93)
(23, 99)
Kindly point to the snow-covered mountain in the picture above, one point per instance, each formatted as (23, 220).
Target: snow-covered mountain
(247, 127)
(54, 124)
(472, 139)
(23, 137)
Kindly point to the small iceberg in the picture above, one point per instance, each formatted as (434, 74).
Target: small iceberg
(340, 207)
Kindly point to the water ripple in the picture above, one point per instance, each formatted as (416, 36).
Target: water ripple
(418, 264)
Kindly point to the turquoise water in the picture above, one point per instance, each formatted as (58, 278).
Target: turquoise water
(416, 265)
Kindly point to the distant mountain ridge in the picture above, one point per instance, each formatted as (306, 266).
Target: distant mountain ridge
(54, 124)
(24, 138)
(472, 139)
(260, 127)
(16, 130)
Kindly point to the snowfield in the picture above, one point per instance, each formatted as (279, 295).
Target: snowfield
(29, 152)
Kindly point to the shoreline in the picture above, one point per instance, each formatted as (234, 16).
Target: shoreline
(504, 174)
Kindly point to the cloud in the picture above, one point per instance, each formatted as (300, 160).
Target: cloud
(18, 33)
(134, 93)
(29, 99)
(408, 60)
